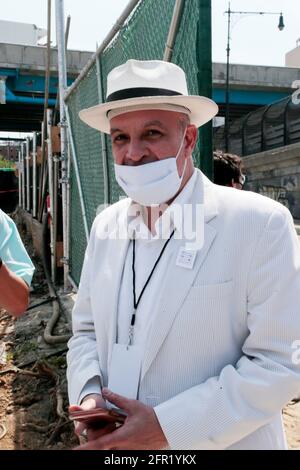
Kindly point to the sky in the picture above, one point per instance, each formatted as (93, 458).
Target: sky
(255, 39)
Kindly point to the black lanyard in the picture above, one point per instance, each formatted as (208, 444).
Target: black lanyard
(136, 302)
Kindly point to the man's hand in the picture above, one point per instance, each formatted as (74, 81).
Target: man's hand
(91, 401)
(141, 429)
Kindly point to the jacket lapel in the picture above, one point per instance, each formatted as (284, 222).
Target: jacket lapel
(109, 278)
(179, 280)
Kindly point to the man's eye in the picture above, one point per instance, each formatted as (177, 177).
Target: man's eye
(120, 138)
(153, 132)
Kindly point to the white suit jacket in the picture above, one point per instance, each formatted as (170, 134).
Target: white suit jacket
(220, 358)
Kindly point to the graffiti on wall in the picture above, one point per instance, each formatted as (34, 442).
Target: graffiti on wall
(282, 190)
(278, 193)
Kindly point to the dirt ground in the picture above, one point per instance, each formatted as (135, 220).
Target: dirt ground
(291, 418)
(33, 399)
(33, 389)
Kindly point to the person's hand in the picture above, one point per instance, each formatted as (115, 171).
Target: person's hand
(91, 401)
(141, 429)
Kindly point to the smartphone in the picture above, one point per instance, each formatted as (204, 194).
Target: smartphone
(98, 415)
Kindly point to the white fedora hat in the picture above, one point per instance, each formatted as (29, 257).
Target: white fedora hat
(145, 83)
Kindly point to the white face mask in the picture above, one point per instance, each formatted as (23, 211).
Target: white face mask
(152, 183)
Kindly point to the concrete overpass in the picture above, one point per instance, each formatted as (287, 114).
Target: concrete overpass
(22, 69)
(251, 86)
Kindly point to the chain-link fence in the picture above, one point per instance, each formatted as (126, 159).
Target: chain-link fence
(143, 36)
(268, 127)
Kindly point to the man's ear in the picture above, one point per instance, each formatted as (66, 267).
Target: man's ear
(191, 136)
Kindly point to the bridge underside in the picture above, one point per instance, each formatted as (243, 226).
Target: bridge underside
(24, 99)
(20, 117)
(242, 102)
(237, 111)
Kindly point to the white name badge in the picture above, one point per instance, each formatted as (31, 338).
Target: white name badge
(186, 258)
(125, 370)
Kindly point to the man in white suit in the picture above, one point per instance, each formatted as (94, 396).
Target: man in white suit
(191, 321)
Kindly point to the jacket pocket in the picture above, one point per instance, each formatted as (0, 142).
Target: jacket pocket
(205, 291)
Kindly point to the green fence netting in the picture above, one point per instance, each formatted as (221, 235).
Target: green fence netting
(143, 36)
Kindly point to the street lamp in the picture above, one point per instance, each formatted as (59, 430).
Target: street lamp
(230, 12)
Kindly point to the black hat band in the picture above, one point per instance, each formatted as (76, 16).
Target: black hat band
(139, 93)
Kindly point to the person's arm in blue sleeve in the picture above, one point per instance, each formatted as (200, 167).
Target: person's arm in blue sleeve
(16, 269)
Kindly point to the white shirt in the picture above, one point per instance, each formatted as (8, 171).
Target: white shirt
(147, 250)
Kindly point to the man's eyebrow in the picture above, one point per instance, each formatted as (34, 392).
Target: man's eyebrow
(154, 123)
(115, 129)
(147, 124)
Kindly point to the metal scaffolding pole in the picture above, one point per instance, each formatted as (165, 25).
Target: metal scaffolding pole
(23, 175)
(19, 178)
(114, 30)
(51, 195)
(34, 175)
(62, 74)
(175, 23)
(76, 169)
(103, 138)
(56, 161)
(27, 176)
(68, 197)
(43, 172)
